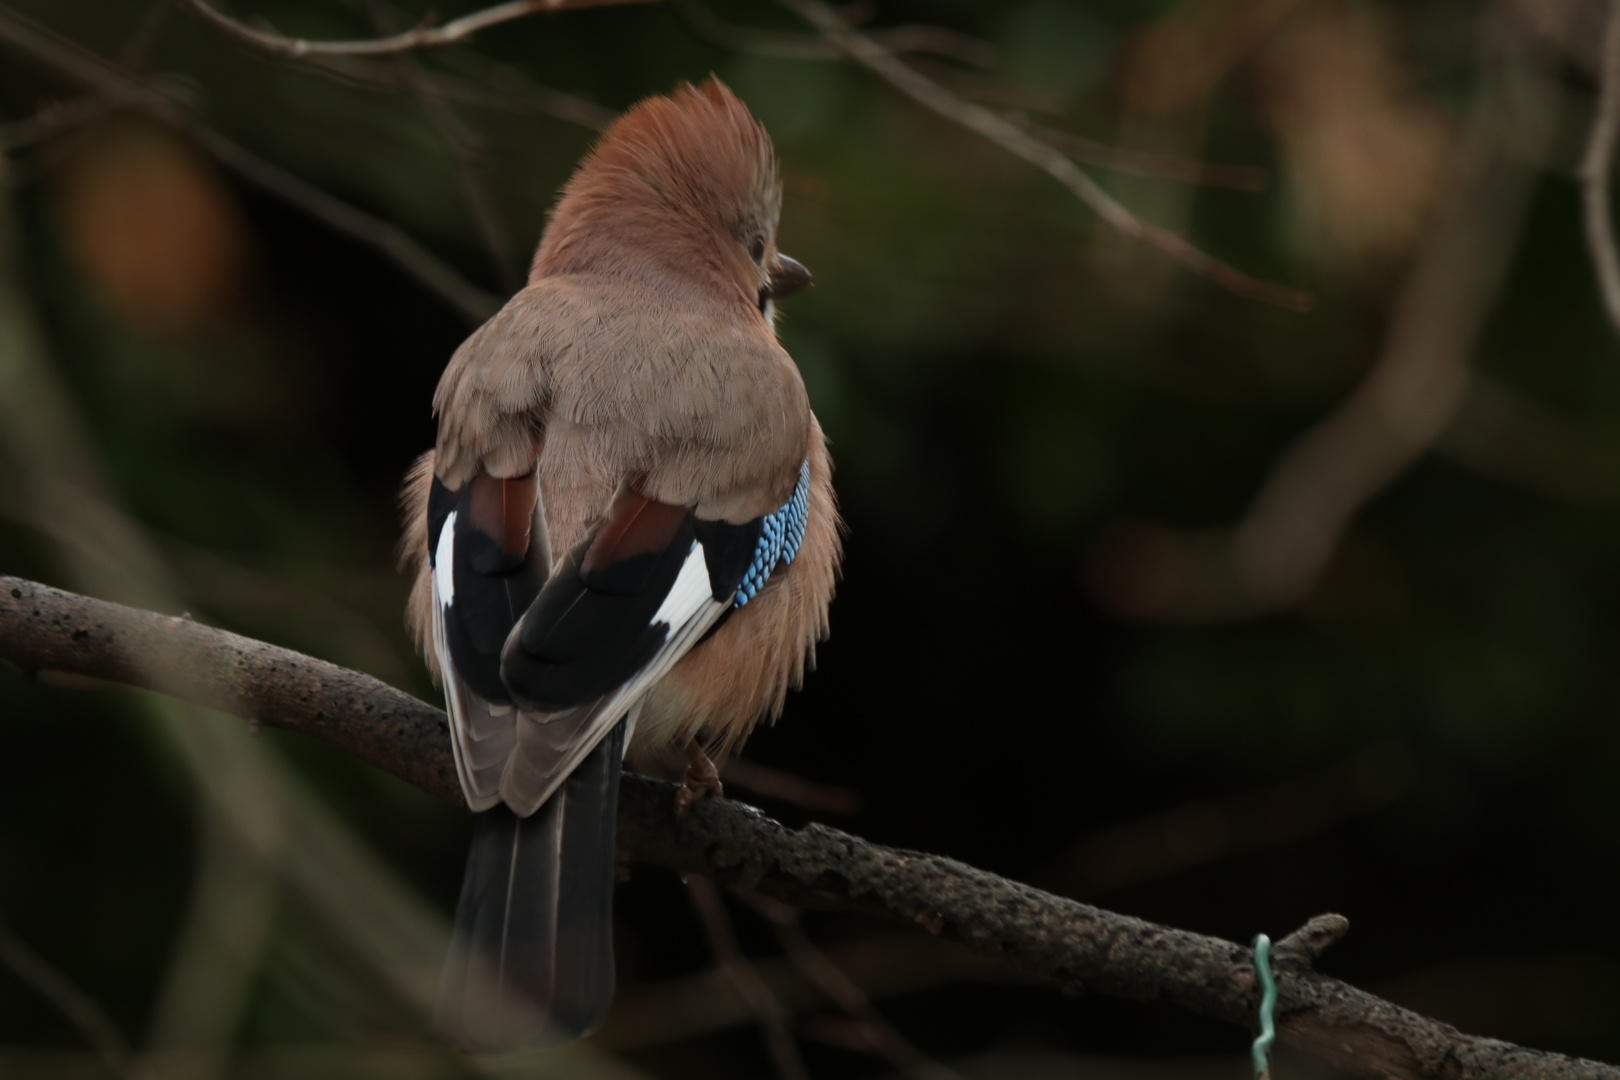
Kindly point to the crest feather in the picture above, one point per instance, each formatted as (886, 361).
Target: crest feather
(695, 155)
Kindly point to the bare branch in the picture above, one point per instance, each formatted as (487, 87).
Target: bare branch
(846, 993)
(494, 85)
(464, 150)
(1309, 942)
(776, 784)
(939, 41)
(1315, 490)
(116, 85)
(976, 118)
(1596, 170)
(773, 1018)
(1274, 556)
(921, 42)
(427, 268)
(422, 37)
(54, 118)
(1142, 163)
(935, 40)
(483, 84)
(1073, 944)
(79, 1007)
(1204, 831)
(147, 36)
(884, 965)
(1504, 434)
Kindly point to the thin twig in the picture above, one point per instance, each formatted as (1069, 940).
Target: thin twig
(482, 83)
(1293, 527)
(845, 992)
(1067, 942)
(71, 1001)
(774, 1020)
(1144, 163)
(54, 118)
(1205, 831)
(1596, 167)
(464, 151)
(922, 42)
(1273, 558)
(884, 965)
(147, 36)
(422, 37)
(93, 71)
(1503, 433)
(991, 91)
(427, 268)
(934, 40)
(776, 784)
(488, 85)
(939, 41)
(1044, 156)
(508, 87)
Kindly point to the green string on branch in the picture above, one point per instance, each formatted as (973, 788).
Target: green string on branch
(1268, 1005)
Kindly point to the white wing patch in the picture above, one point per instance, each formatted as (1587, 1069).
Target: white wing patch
(444, 578)
(545, 755)
(691, 586)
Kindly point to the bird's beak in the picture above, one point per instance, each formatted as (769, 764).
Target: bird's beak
(788, 278)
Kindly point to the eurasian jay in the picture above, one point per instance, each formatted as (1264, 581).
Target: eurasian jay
(625, 536)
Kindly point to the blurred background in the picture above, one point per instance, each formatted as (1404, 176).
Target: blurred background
(1202, 608)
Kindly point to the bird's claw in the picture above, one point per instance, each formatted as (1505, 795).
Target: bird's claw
(700, 779)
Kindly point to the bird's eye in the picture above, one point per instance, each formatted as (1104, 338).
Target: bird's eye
(756, 248)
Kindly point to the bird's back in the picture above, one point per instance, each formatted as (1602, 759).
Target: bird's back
(627, 524)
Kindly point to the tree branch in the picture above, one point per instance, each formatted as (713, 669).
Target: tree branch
(846, 993)
(55, 117)
(117, 86)
(1274, 557)
(1076, 945)
(1597, 166)
(422, 37)
(775, 1021)
(481, 82)
(466, 153)
(1143, 163)
(82, 1010)
(1050, 160)
(911, 38)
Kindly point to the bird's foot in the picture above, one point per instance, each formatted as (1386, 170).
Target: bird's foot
(701, 778)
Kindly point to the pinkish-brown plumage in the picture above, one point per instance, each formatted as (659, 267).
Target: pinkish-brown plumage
(636, 382)
(638, 350)
(668, 178)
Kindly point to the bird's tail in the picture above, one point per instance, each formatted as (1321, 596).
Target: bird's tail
(531, 961)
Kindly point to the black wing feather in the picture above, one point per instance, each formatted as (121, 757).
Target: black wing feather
(492, 591)
(591, 630)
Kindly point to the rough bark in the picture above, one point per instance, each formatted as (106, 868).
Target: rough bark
(1080, 947)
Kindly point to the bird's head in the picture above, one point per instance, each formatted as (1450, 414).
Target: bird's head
(683, 191)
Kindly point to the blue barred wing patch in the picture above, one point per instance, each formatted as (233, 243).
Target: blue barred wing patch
(780, 536)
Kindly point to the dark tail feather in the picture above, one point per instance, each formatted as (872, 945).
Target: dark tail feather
(531, 962)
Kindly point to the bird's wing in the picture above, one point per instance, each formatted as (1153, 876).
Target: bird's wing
(488, 559)
(629, 602)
